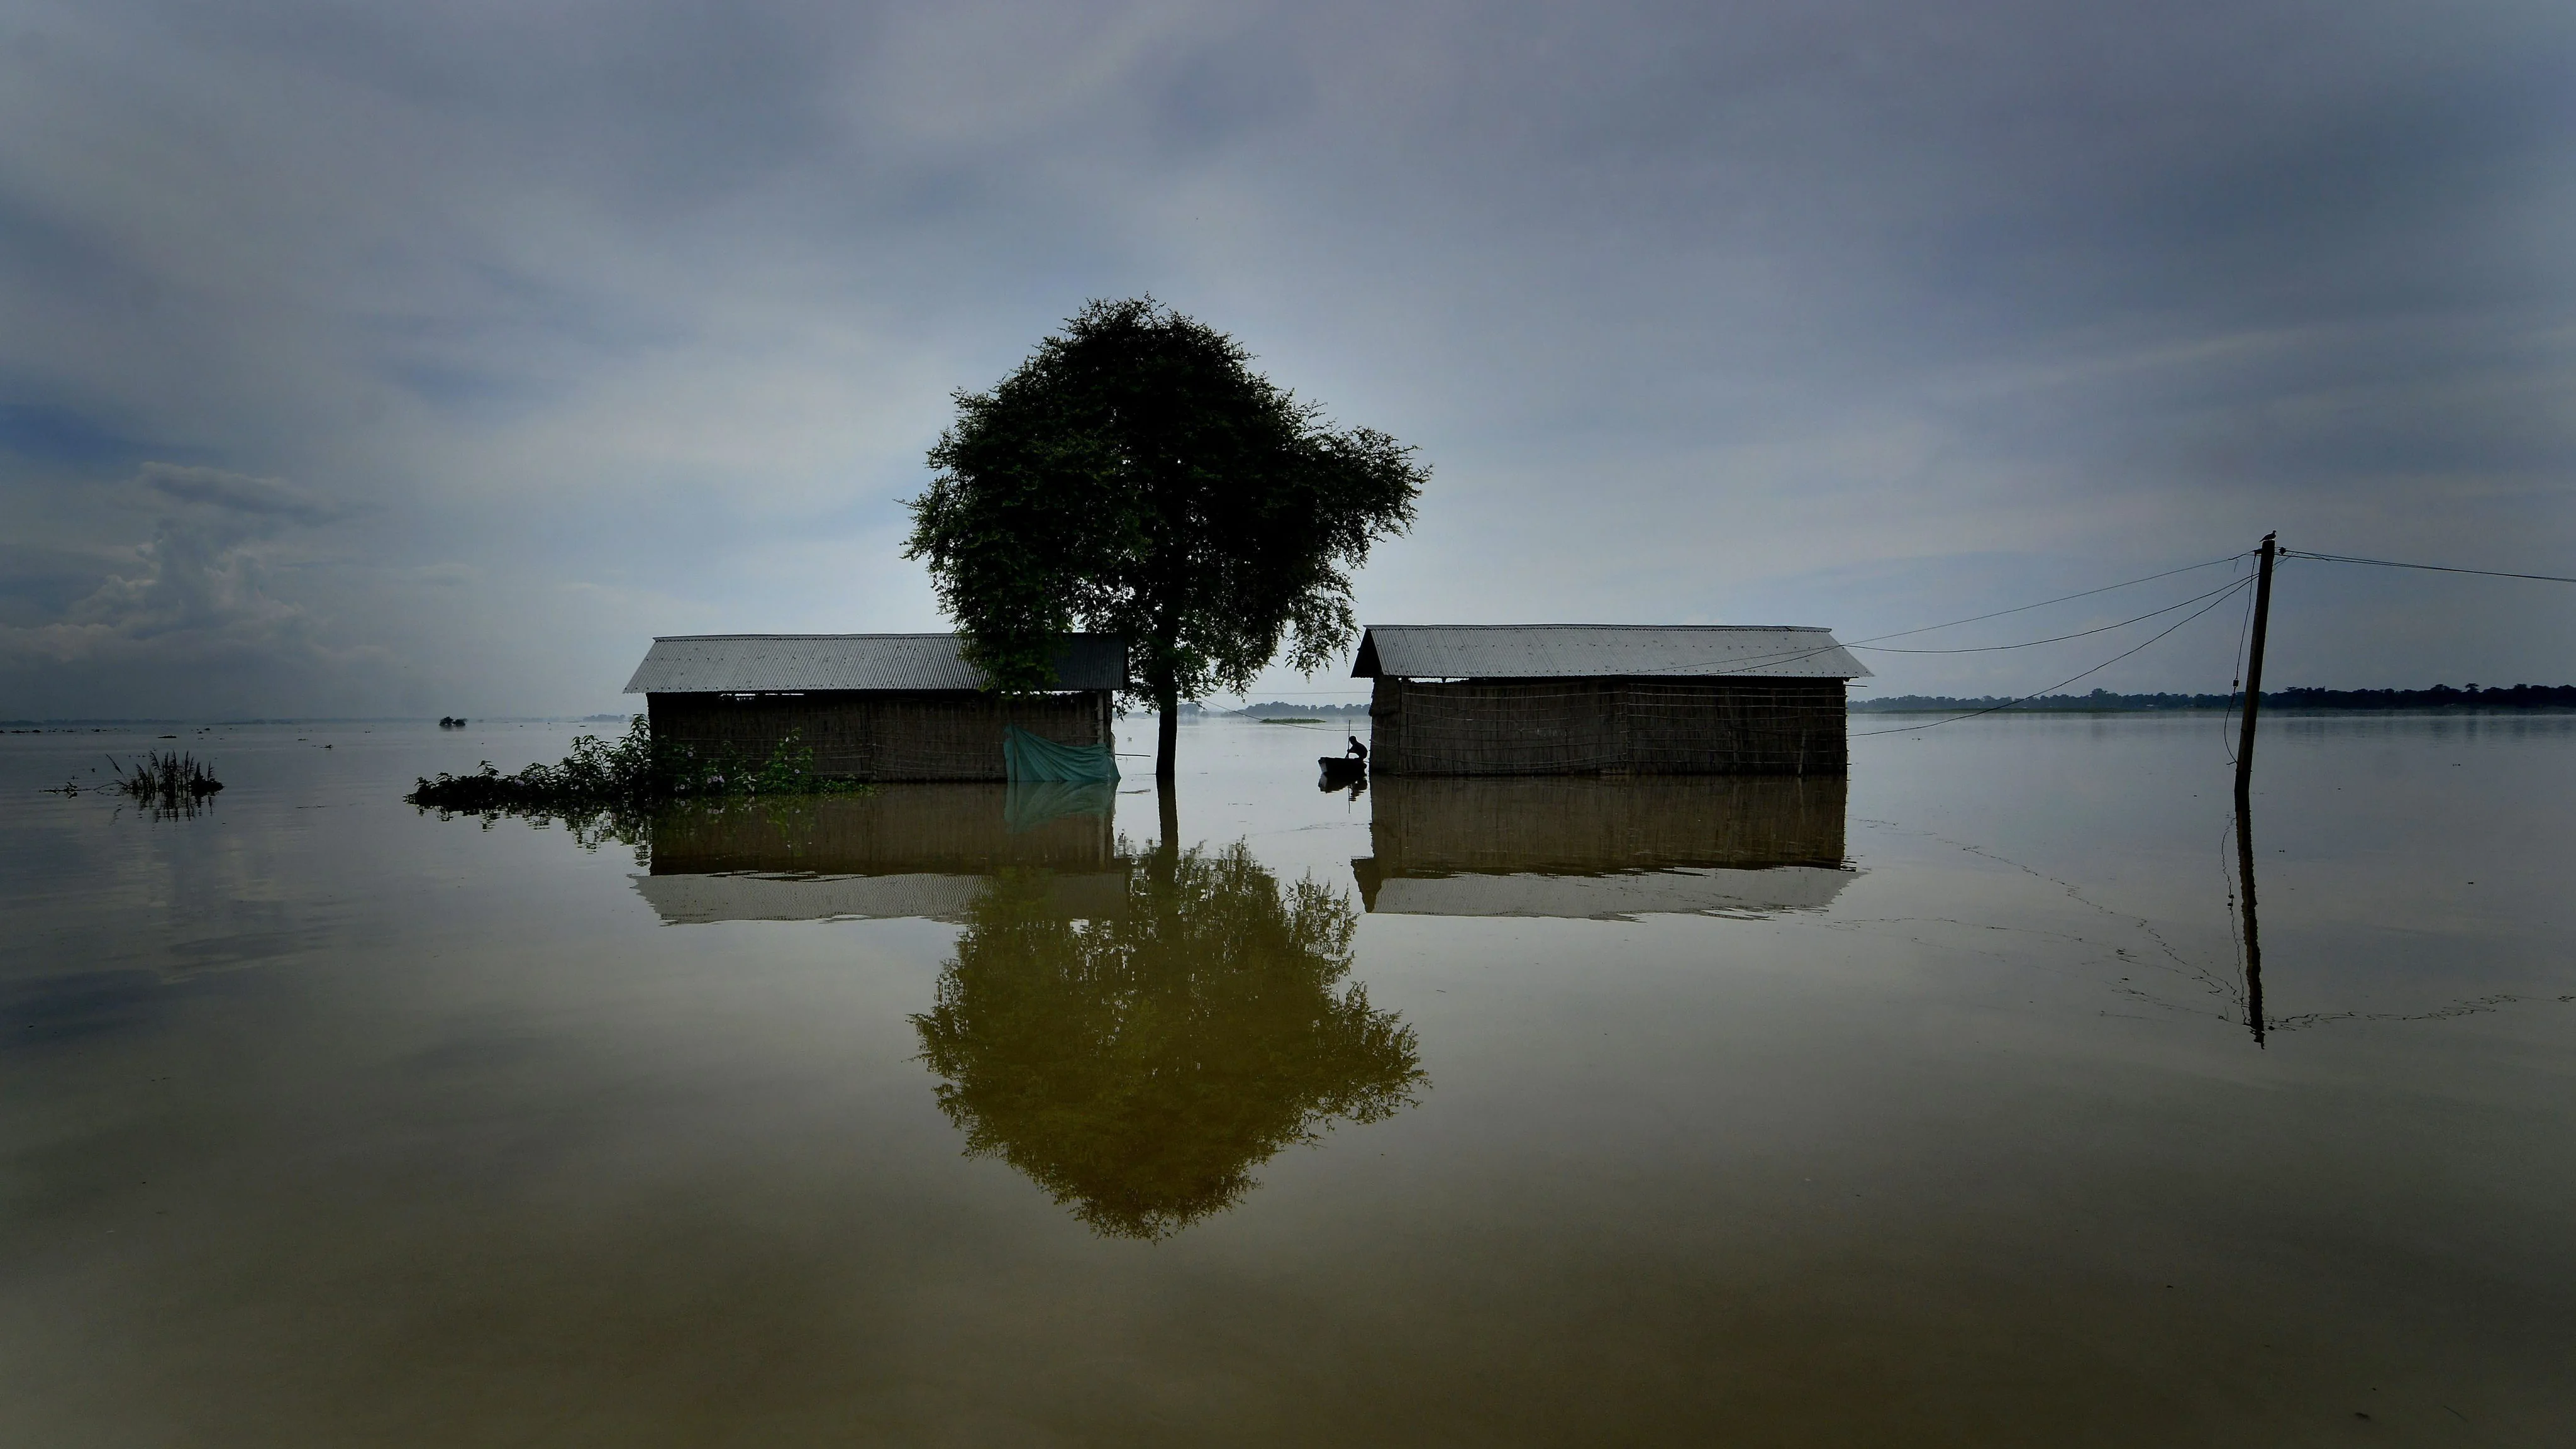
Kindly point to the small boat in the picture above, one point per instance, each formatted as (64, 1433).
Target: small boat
(1341, 770)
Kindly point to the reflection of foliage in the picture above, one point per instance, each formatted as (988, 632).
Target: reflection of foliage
(1139, 1068)
(635, 826)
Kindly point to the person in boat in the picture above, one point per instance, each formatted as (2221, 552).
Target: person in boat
(1357, 751)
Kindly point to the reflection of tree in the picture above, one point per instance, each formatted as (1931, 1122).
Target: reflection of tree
(1139, 1068)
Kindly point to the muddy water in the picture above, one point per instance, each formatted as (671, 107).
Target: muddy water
(1927, 1109)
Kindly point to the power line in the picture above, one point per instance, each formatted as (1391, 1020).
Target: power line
(2053, 639)
(2235, 681)
(1743, 665)
(2060, 599)
(2061, 684)
(1747, 664)
(2433, 568)
(1753, 663)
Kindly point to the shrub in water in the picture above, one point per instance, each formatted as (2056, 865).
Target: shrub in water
(631, 774)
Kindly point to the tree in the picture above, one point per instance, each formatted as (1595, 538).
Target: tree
(1139, 1067)
(1135, 477)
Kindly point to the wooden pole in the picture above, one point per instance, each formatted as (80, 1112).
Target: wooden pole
(2245, 789)
(2253, 936)
(2254, 674)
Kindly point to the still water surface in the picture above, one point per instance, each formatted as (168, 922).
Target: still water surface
(1923, 1110)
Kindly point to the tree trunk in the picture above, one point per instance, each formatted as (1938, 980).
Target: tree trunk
(1167, 699)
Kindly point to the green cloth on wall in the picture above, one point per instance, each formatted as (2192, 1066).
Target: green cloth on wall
(1028, 757)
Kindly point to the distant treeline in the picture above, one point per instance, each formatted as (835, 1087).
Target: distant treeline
(2440, 696)
(1312, 711)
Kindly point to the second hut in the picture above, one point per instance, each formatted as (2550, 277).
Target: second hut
(1578, 699)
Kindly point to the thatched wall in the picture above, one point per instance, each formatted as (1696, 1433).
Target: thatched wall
(900, 829)
(1595, 726)
(882, 735)
(1578, 826)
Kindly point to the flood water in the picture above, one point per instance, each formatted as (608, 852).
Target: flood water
(1926, 1108)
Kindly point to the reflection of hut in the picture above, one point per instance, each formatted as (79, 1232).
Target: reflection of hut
(907, 850)
(1578, 699)
(1603, 848)
(870, 706)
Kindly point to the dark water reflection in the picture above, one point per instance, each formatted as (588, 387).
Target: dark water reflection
(1139, 1065)
(907, 851)
(1603, 849)
(1133, 1034)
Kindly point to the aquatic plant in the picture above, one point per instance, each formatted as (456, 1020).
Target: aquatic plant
(632, 774)
(170, 780)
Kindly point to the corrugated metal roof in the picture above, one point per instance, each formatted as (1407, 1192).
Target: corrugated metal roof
(1593, 651)
(745, 663)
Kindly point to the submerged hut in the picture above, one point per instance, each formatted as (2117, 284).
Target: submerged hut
(871, 706)
(1580, 699)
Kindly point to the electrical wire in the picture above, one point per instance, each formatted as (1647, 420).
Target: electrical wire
(2060, 599)
(2236, 681)
(1748, 664)
(2053, 639)
(2061, 684)
(2434, 568)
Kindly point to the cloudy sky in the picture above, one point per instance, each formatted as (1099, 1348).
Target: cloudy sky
(382, 359)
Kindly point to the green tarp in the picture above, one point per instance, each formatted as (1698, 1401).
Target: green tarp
(1028, 758)
(1026, 807)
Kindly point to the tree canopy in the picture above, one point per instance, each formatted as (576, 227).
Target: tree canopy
(1135, 477)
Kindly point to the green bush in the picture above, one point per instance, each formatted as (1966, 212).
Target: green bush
(607, 778)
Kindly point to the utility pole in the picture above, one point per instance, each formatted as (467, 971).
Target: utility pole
(2253, 936)
(2245, 789)
(2254, 673)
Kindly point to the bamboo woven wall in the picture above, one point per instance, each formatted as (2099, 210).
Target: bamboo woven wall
(1578, 826)
(1593, 726)
(900, 829)
(883, 735)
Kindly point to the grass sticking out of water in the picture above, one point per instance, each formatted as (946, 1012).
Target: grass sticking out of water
(167, 780)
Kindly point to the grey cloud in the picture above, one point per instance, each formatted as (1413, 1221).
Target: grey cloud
(1858, 312)
(235, 493)
(192, 614)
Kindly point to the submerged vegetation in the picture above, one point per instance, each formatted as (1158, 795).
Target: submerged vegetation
(169, 781)
(606, 787)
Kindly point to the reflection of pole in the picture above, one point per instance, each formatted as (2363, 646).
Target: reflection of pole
(2254, 680)
(2253, 941)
